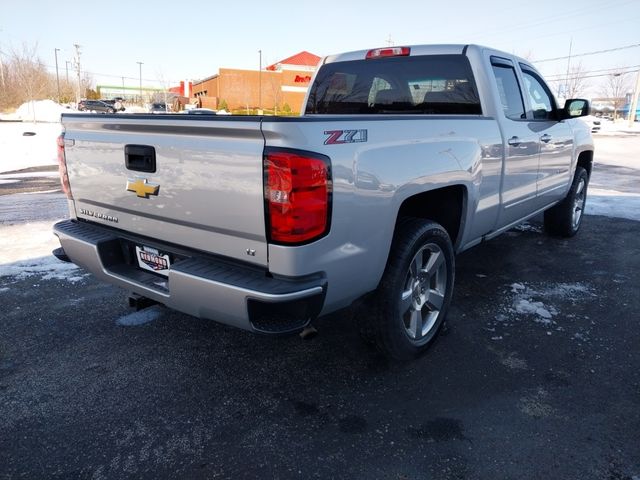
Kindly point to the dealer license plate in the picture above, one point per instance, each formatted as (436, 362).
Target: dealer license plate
(153, 260)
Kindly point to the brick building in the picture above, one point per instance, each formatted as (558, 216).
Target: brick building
(283, 84)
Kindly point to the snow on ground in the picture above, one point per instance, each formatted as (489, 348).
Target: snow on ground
(25, 251)
(539, 304)
(26, 237)
(39, 111)
(527, 227)
(141, 317)
(534, 303)
(619, 127)
(611, 203)
(620, 151)
(18, 151)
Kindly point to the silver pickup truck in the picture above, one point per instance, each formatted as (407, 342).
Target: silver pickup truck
(403, 157)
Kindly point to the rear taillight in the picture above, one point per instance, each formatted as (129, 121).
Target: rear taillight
(297, 195)
(62, 167)
(388, 52)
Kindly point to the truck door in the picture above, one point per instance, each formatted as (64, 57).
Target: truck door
(521, 146)
(556, 138)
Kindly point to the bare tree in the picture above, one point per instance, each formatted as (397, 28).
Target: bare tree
(26, 78)
(615, 87)
(275, 84)
(29, 79)
(576, 83)
(164, 83)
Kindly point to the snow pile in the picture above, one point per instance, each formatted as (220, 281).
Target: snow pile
(20, 151)
(25, 251)
(523, 303)
(40, 111)
(135, 109)
(543, 315)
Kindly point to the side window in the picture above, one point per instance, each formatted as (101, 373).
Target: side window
(509, 91)
(539, 96)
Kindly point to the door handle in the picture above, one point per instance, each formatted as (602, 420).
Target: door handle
(140, 158)
(546, 138)
(514, 141)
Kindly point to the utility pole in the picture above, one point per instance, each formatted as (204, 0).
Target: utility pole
(260, 81)
(140, 66)
(66, 65)
(566, 81)
(77, 61)
(123, 88)
(634, 101)
(55, 52)
(389, 41)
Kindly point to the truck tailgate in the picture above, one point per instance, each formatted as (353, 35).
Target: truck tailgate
(208, 173)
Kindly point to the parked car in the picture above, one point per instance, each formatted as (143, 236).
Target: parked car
(158, 107)
(594, 123)
(95, 106)
(404, 157)
(200, 111)
(115, 103)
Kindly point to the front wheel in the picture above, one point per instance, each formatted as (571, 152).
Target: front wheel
(565, 218)
(411, 302)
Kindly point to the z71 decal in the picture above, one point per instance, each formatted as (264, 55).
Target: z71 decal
(337, 137)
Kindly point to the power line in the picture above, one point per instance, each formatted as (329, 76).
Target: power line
(597, 52)
(111, 75)
(609, 71)
(586, 76)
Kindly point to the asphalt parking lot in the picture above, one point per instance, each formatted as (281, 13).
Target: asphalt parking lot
(537, 375)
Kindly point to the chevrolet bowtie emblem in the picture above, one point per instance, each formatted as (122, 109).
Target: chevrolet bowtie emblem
(142, 187)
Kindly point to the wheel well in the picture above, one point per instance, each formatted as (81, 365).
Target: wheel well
(585, 160)
(444, 205)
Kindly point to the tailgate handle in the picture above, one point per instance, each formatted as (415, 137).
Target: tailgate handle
(140, 158)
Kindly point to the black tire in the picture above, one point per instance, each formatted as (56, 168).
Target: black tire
(565, 218)
(410, 305)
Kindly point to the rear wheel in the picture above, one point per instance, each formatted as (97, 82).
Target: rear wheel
(565, 218)
(411, 302)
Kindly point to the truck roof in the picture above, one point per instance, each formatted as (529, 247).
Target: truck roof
(436, 49)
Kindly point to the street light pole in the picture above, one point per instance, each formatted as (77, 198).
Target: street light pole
(55, 52)
(260, 81)
(140, 65)
(634, 101)
(77, 60)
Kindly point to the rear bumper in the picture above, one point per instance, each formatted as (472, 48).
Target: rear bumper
(203, 286)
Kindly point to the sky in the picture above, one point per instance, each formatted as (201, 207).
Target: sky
(192, 40)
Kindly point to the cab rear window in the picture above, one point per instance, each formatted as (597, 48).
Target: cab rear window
(427, 84)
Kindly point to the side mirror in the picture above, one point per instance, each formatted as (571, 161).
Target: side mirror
(575, 107)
